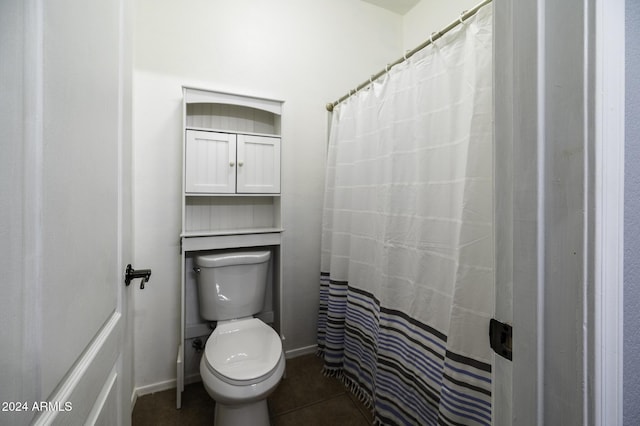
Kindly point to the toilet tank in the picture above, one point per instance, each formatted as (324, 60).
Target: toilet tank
(232, 285)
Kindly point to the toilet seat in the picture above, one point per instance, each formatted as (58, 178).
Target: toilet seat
(243, 352)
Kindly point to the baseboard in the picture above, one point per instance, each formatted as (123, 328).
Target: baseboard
(294, 353)
(134, 399)
(192, 378)
(162, 386)
(155, 387)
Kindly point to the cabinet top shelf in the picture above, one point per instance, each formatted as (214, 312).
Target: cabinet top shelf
(231, 195)
(247, 231)
(195, 95)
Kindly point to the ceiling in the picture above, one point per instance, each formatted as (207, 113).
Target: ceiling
(398, 6)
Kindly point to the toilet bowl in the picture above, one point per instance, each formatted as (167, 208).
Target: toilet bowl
(241, 366)
(243, 361)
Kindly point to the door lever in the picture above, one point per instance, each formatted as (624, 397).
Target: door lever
(132, 274)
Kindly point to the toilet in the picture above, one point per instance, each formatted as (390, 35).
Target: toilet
(243, 360)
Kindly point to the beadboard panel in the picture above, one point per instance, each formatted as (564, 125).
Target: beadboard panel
(233, 118)
(227, 213)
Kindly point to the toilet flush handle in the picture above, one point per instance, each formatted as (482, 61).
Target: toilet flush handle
(196, 269)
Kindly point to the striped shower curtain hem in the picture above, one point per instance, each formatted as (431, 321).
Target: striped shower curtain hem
(397, 366)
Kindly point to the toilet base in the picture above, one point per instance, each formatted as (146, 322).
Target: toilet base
(254, 414)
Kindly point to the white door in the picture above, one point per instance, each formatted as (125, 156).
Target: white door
(66, 352)
(258, 164)
(503, 189)
(559, 191)
(210, 163)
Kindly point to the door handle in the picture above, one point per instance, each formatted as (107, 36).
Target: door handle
(131, 274)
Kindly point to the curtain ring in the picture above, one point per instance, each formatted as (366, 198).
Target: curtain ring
(431, 37)
(405, 54)
(461, 15)
(386, 69)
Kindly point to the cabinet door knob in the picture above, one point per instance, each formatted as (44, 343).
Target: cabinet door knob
(240, 163)
(231, 164)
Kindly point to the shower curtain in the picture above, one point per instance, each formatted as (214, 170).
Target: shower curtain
(406, 285)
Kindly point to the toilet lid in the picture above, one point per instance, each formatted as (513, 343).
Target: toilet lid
(243, 349)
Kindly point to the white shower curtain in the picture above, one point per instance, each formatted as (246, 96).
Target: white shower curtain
(406, 288)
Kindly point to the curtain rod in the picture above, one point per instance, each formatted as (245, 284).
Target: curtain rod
(434, 36)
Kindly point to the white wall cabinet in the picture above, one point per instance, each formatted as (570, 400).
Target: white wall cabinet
(231, 199)
(210, 163)
(225, 163)
(258, 165)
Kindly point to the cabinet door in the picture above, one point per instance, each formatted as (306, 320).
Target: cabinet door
(258, 164)
(210, 162)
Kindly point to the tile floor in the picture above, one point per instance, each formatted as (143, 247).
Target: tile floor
(304, 397)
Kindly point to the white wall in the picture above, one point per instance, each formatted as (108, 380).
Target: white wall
(305, 52)
(429, 16)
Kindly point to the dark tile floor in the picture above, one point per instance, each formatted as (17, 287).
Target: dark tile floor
(303, 397)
